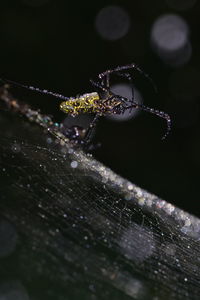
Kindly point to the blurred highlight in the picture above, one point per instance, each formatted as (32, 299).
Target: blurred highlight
(112, 23)
(170, 40)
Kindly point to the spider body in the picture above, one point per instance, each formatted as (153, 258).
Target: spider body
(100, 103)
(91, 103)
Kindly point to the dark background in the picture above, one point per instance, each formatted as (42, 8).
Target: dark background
(55, 45)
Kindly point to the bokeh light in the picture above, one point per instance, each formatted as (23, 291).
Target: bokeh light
(112, 23)
(170, 39)
(181, 4)
(125, 90)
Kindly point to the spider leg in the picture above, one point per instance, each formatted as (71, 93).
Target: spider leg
(90, 130)
(99, 85)
(130, 79)
(104, 85)
(36, 89)
(118, 71)
(156, 112)
(106, 78)
(160, 114)
(128, 67)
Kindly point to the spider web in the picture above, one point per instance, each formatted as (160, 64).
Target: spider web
(70, 228)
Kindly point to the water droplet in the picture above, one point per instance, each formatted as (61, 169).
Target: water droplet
(16, 148)
(74, 164)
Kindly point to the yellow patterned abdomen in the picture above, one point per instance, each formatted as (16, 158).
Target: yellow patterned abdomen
(87, 103)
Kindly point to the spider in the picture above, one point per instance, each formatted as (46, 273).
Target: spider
(100, 103)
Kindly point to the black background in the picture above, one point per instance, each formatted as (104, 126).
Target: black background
(56, 46)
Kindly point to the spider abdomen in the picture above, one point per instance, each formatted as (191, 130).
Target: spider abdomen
(87, 103)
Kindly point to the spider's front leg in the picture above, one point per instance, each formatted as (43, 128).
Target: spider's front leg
(100, 86)
(156, 112)
(121, 69)
(121, 72)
